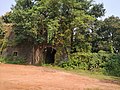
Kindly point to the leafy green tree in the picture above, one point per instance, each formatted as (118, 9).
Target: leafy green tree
(0, 24)
(26, 21)
(7, 17)
(112, 31)
(61, 22)
(97, 10)
(1, 29)
(108, 35)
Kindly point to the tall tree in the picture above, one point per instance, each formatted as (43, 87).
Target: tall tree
(61, 22)
(7, 18)
(97, 10)
(106, 36)
(110, 32)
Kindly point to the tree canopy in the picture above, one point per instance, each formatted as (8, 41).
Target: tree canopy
(69, 23)
(60, 22)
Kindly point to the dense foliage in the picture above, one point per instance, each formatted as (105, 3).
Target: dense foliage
(101, 62)
(1, 29)
(64, 22)
(73, 25)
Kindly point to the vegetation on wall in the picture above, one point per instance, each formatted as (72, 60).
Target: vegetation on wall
(1, 34)
(1, 29)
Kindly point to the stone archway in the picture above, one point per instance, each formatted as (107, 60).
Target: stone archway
(49, 55)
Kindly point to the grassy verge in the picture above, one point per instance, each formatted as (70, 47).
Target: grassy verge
(12, 60)
(96, 75)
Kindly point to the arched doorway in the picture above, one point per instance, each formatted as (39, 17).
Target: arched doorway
(49, 55)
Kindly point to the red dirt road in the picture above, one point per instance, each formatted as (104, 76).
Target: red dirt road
(21, 77)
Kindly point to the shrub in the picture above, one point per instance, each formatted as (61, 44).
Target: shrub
(102, 61)
(86, 61)
(12, 60)
(113, 65)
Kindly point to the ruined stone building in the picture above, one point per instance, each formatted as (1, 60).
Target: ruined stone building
(43, 53)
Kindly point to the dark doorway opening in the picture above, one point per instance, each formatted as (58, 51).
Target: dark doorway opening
(49, 55)
(15, 53)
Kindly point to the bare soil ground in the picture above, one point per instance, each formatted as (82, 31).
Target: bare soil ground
(25, 77)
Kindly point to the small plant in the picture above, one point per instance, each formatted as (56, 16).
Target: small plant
(2, 60)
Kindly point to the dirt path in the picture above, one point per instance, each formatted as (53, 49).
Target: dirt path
(20, 77)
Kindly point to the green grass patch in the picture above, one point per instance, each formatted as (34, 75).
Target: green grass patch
(96, 75)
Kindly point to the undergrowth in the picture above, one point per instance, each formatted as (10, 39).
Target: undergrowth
(12, 60)
(102, 62)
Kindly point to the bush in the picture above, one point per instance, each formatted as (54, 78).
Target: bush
(102, 61)
(113, 65)
(86, 61)
(12, 60)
